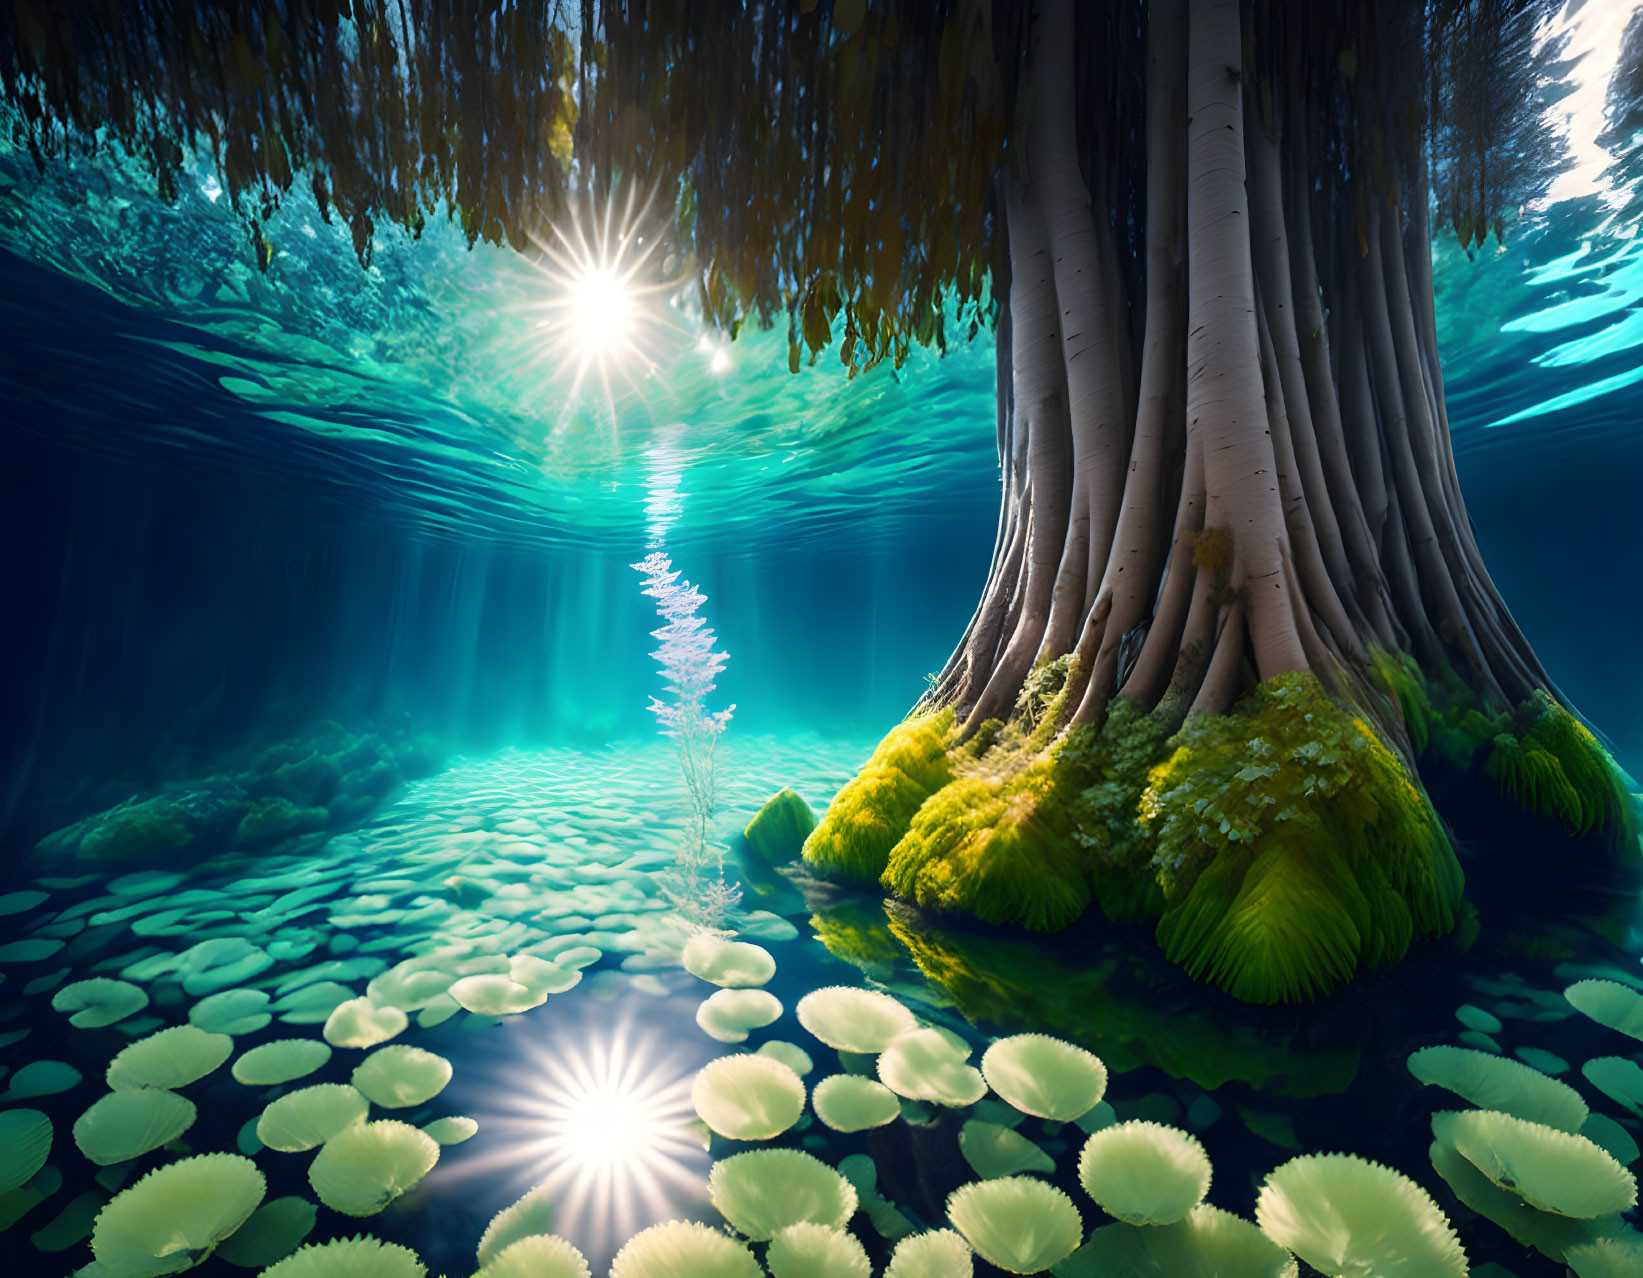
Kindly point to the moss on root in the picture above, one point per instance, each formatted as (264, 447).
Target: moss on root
(1541, 757)
(1293, 847)
(1553, 766)
(1280, 849)
(868, 817)
(999, 848)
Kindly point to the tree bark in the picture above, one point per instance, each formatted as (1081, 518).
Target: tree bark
(1280, 492)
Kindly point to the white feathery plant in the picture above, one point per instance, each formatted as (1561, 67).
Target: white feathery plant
(696, 885)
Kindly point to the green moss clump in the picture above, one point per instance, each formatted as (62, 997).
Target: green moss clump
(271, 820)
(1553, 766)
(1293, 847)
(1541, 756)
(998, 848)
(868, 817)
(1114, 761)
(136, 832)
(778, 831)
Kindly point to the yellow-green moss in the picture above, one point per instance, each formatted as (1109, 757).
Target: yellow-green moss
(1292, 847)
(1541, 757)
(780, 827)
(868, 817)
(1553, 766)
(998, 848)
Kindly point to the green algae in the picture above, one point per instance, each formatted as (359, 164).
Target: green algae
(1540, 755)
(1293, 847)
(869, 816)
(778, 830)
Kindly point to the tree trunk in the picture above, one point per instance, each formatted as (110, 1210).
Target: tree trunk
(1194, 688)
(1323, 476)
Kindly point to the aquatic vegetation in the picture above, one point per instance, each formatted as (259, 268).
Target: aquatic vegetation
(1610, 1003)
(940, 1253)
(690, 667)
(1617, 1078)
(365, 1166)
(536, 1256)
(452, 1130)
(993, 1151)
(1605, 1257)
(124, 1125)
(25, 1135)
(849, 1019)
(1045, 1076)
(1001, 849)
(310, 1116)
(1539, 755)
(270, 1234)
(809, 1250)
(1345, 1215)
(326, 779)
(530, 1216)
(1122, 1005)
(99, 1001)
(870, 815)
(789, 1054)
(748, 1097)
(1544, 1231)
(346, 1257)
(398, 1077)
(1281, 846)
(729, 1015)
(1144, 1173)
(1553, 766)
(924, 1065)
(849, 1103)
(1019, 1224)
(176, 1215)
(168, 1058)
(683, 1249)
(778, 831)
(1499, 1083)
(730, 964)
(1206, 1243)
(765, 1191)
(232, 1012)
(281, 1061)
(1551, 1170)
(358, 1022)
(1293, 847)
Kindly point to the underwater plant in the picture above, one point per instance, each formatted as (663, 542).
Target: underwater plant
(696, 884)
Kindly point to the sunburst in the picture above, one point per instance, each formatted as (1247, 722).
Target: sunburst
(600, 1118)
(603, 319)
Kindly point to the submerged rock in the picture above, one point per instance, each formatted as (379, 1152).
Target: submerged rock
(326, 780)
(779, 830)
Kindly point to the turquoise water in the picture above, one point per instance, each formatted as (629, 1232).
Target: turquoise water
(342, 539)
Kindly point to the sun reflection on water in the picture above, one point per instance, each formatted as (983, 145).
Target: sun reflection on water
(598, 1116)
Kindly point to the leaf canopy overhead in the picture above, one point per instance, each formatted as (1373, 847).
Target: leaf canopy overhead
(830, 163)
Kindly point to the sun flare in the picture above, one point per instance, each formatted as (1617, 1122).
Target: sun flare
(603, 318)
